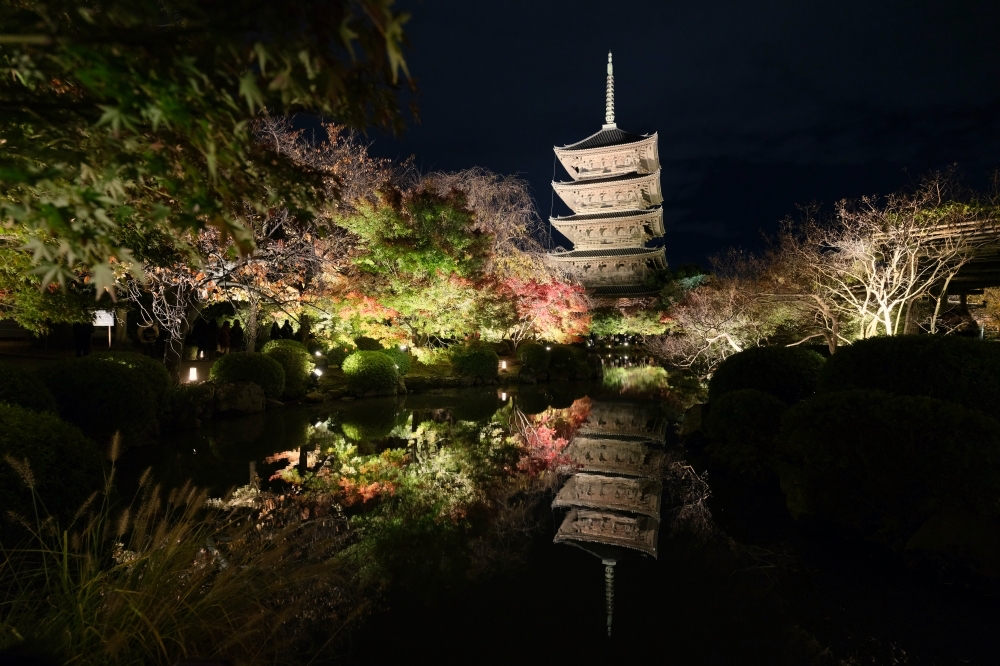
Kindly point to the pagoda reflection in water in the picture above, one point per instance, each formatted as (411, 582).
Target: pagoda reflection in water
(614, 495)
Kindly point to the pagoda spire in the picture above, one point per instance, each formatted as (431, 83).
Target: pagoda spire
(609, 103)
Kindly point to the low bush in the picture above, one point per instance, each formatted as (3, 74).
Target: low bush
(960, 370)
(742, 427)
(281, 343)
(367, 344)
(400, 358)
(788, 373)
(261, 369)
(103, 398)
(878, 464)
(370, 371)
(20, 387)
(335, 357)
(153, 371)
(297, 364)
(65, 466)
(564, 358)
(475, 360)
(533, 357)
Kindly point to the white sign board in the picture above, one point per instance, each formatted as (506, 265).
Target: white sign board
(104, 318)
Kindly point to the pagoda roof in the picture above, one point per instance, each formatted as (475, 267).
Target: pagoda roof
(609, 252)
(631, 175)
(611, 136)
(623, 291)
(584, 217)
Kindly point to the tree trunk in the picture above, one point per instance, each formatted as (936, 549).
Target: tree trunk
(121, 327)
(253, 318)
(942, 295)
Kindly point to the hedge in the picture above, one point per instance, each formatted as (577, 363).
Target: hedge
(960, 370)
(878, 464)
(475, 360)
(281, 343)
(367, 344)
(102, 398)
(788, 373)
(65, 465)
(297, 364)
(400, 358)
(153, 371)
(20, 387)
(533, 357)
(261, 369)
(742, 427)
(335, 357)
(370, 371)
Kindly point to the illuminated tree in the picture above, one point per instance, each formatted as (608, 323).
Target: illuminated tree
(138, 111)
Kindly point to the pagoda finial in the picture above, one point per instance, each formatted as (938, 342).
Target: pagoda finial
(609, 104)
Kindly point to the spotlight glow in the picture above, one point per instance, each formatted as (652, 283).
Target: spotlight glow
(318, 372)
(193, 375)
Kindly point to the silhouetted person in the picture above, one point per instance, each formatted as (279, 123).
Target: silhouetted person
(199, 336)
(82, 334)
(275, 331)
(286, 331)
(224, 338)
(212, 338)
(236, 337)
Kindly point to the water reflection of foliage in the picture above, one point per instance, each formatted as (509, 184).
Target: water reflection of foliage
(648, 381)
(459, 498)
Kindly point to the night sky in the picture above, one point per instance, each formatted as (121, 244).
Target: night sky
(759, 106)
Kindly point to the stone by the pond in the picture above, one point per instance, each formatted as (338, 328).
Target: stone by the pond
(244, 397)
(315, 396)
(274, 404)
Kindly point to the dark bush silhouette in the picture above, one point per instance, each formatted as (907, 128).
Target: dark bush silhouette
(20, 387)
(878, 464)
(101, 398)
(533, 357)
(788, 373)
(65, 465)
(742, 427)
(959, 370)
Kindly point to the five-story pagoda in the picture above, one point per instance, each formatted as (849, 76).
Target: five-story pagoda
(615, 198)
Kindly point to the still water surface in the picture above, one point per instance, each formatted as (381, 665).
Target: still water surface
(733, 580)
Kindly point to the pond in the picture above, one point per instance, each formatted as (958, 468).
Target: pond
(596, 536)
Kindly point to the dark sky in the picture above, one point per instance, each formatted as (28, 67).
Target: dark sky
(759, 105)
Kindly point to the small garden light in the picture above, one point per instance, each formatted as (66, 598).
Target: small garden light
(318, 372)
(193, 374)
(548, 349)
(503, 397)
(319, 353)
(503, 365)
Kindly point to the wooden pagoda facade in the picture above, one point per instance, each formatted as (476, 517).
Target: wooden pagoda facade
(615, 198)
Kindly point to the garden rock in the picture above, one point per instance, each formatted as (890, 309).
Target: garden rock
(244, 397)
(315, 396)
(273, 403)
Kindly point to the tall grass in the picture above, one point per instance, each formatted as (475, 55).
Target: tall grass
(166, 578)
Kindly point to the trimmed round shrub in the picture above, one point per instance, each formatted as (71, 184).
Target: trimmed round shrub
(365, 343)
(103, 398)
(335, 357)
(563, 358)
(742, 427)
(65, 466)
(20, 387)
(533, 357)
(261, 369)
(281, 343)
(878, 464)
(370, 371)
(476, 360)
(532, 399)
(297, 365)
(154, 372)
(788, 373)
(400, 358)
(960, 370)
